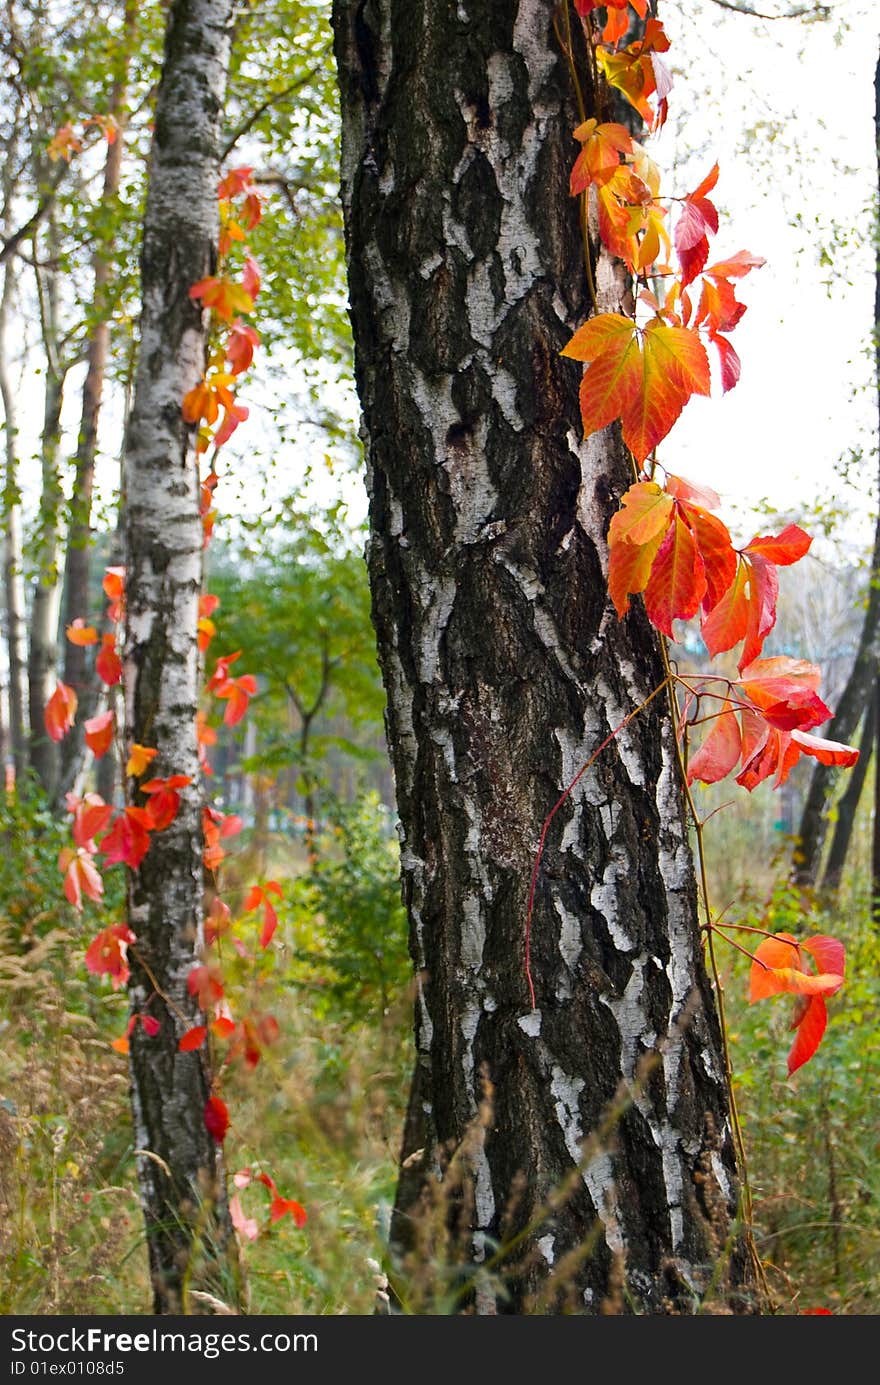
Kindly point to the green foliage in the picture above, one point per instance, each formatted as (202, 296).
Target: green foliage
(296, 602)
(812, 1140)
(349, 920)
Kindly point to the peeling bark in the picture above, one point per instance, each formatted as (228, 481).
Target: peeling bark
(180, 1167)
(505, 668)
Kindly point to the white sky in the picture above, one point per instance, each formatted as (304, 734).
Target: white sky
(787, 110)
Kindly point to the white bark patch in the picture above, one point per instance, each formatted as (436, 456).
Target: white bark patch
(531, 1023)
(570, 938)
(599, 1179)
(390, 299)
(468, 1024)
(545, 1246)
(434, 621)
(624, 740)
(484, 1197)
(566, 1092)
(539, 58)
(604, 899)
(470, 487)
(721, 1177)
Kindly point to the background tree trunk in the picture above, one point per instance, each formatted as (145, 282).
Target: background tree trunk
(79, 533)
(505, 668)
(849, 801)
(180, 1167)
(13, 561)
(46, 599)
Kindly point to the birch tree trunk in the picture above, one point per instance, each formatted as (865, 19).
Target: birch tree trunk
(180, 1167)
(595, 1126)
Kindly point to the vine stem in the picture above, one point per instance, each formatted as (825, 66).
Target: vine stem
(551, 815)
(746, 1202)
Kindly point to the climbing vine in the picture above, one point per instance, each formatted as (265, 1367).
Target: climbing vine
(104, 835)
(665, 543)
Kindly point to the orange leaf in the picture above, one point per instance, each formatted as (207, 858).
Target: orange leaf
(629, 567)
(645, 512)
(810, 1022)
(81, 634)
(60, 712)
(141, 756)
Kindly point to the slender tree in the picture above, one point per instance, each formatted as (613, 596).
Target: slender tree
(583, 1142)
(79, 535)
(13, 570)
(191, 1243)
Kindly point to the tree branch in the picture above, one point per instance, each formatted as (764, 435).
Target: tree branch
(816, 11)
(251, 120)
(11, 243)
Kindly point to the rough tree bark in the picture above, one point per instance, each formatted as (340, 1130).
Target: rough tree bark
(505, 668)
(180, 1167)
(79, 532)
(859, 691)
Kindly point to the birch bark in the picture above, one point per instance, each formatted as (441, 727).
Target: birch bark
(180, 1167)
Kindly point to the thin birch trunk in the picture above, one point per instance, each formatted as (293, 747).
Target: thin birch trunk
(180, 1166)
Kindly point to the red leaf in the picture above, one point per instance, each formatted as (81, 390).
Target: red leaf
(719, 752)
(60, 712)
(80, 876)
(810, 1024)
(216, 1118)
(99, 733)
(783, 548)
(151, 1025)
(827, 752)
(270, 923)
(193, 1038)
(107, 954)
(128, 839)
(731, 366)
(678, 580)
(206, 984)
(90, 816)
(284, 1207)
(108, 664)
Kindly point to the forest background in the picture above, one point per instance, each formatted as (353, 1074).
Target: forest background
(306, 770)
